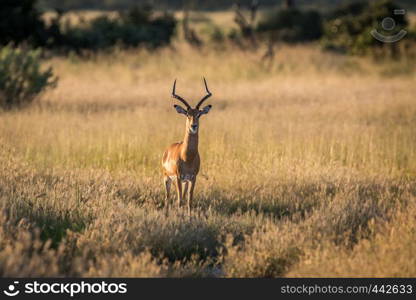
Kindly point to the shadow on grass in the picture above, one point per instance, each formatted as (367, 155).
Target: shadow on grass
(285, 201)
(53, 224)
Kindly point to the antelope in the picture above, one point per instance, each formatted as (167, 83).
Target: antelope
(181, 161)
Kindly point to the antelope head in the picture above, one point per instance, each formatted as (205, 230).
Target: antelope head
(192, 114)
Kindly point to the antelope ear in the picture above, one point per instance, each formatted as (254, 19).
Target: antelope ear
(205, 110)
(180, 110)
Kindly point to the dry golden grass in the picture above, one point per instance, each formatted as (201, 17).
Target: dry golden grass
(308, 168)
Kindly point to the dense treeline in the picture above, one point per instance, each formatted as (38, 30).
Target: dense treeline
(21, 21)
(163, 4)
(198, 4)
(346, 28)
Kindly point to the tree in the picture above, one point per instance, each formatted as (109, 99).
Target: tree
(20, 21)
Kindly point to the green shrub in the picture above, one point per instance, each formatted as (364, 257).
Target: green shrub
(21, 77)
(292, 25)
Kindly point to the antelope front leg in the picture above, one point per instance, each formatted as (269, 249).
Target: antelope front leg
(179, 191)
(184, 189)
(191, 194)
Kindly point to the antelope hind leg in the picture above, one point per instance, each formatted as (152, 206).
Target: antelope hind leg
(167, 181)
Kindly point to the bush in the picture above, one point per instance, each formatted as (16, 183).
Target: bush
(348, 28)
(292, 25)
(21, 78)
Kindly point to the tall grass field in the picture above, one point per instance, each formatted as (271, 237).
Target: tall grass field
(308, 167)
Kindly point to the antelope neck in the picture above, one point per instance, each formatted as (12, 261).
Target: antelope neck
(190, 146)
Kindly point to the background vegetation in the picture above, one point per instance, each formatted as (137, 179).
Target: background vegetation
(138, 26)
(21, 77)
(308, 162)
(322, 5)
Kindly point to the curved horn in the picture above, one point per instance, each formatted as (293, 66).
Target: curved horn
(206, 96)
(179, 97)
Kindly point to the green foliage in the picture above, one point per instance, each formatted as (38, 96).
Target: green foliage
(348, 28)
(292, 25)
(21, 77)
